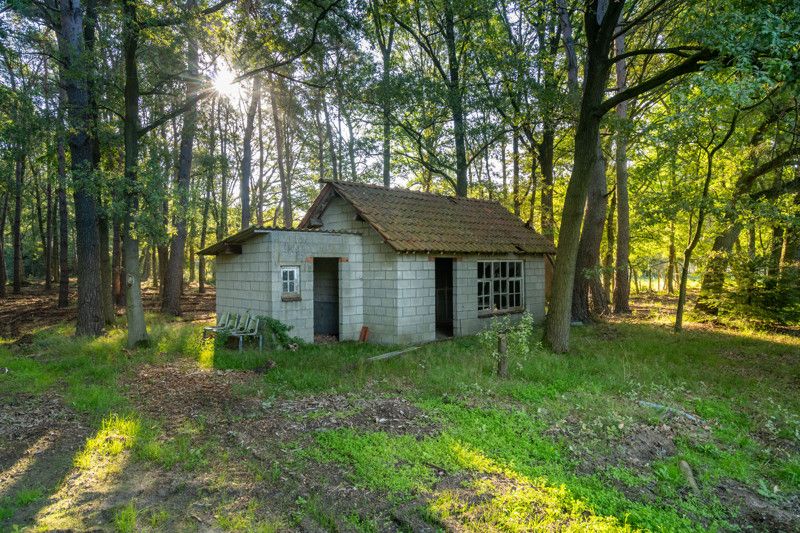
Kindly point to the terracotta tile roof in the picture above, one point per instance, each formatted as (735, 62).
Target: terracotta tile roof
(411, 221)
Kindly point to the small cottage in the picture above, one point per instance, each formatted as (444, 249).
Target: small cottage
(409, 266)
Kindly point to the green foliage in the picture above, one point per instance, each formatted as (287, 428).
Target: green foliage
(276, 334)
(125, 519)
(519, 334)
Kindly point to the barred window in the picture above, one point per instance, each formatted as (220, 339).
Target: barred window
(290, 278)
(500, 286)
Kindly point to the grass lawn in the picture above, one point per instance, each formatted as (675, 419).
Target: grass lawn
(190, 436)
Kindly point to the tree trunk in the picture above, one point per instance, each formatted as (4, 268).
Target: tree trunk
(63, 227)
(48, 238)
(134, 310)
(599, 30)
(173, 283)
(17, 270)
(588, 260)
(147, 263)
(3, 211)
(546, 148)
(328, 130)
(687, 254)
(201, 267)
(117, 272)
(286, 193)
(247, 152)
(515, 172)
(608, 261)
(105, 268)
(671, 266)
(75, 75)
(622, 282)
(455, 99)
(387, 112)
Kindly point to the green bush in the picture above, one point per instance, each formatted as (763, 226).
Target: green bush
(519, 337)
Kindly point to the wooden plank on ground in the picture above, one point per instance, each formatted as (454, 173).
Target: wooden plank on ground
(389, 355)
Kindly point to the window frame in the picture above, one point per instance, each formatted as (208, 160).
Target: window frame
(500, 280)
(290, 295)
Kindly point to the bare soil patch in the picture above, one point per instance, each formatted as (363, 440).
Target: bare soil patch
(180, 391)
(39, 436)
(756, 512)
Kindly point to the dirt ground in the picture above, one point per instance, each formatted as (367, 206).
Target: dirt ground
(250, 441)
(40, 436)
(35, 308)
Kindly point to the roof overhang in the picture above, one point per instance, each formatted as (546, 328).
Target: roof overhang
(232, 245)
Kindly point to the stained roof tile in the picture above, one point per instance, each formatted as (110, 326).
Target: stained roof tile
(412, 221)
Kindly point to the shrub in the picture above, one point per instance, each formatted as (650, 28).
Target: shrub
(519, 337)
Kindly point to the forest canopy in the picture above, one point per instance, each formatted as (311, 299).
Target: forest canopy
(653, 140)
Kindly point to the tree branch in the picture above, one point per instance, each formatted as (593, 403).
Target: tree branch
(691, 64)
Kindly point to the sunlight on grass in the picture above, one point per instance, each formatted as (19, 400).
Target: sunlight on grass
(503, 499)
(102, 458)
(116, 435)
(125, 519)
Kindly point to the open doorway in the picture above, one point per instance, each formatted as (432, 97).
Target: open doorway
(326, 298)
(444, 297)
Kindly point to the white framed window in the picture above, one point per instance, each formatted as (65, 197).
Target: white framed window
(290, 280)
(501, 286)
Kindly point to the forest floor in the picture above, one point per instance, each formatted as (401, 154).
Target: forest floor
(638, 428)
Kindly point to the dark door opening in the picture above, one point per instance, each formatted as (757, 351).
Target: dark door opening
(326, 297)
(444, 297)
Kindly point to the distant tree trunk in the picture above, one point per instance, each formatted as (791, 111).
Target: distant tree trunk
(515, 172)
(384, 33)
(247, 152)
(201, 267)
(329, 131)
(687, 253)
(17, 271)
(48, 237)
(3, 212)
(146, 263)
(173, 283)
(286, 193)
(63, 224)
(157, 269)
(608, 261)
(588, 259)
(546, 148)
(72, 47)
(40, 223)
(261, 184)
(671, 265)
(117, 272)
(54, 254)
(386, 53)
(789, 283)
(105, 267)
(774, 259)
(532, 188)
(351, 146)
(192, 237)
(622, 282)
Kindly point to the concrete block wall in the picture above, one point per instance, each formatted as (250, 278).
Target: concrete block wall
(293, 248)
(379, 271)
(243, 281)
(416, 305)
(534, 286)
(251, 282)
